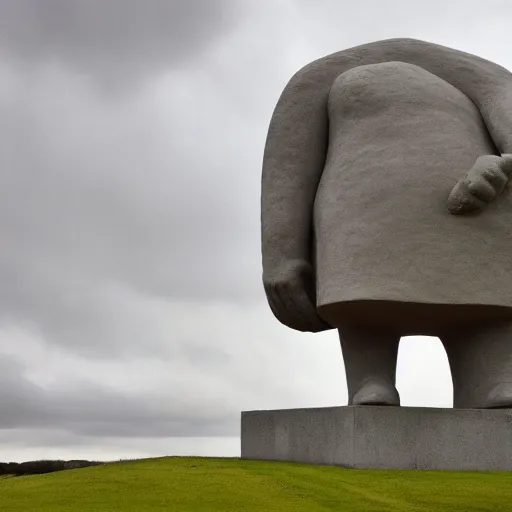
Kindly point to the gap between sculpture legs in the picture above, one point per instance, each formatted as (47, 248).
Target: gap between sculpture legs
(481, 365)
(370, 358)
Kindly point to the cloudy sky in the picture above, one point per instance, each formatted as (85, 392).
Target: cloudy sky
(132, 317)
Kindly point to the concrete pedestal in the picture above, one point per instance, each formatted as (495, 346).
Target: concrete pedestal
(382, 437)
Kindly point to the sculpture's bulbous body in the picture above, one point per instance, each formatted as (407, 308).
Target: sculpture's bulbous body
(399, 139)
(386, 212)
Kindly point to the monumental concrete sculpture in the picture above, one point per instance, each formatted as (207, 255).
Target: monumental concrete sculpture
(386, 212)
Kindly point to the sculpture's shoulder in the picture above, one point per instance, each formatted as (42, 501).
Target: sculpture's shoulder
(431, 56)
(361, 53)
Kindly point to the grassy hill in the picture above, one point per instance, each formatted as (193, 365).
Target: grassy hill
(231, 485)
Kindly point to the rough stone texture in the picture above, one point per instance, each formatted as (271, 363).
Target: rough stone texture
(363, 151)
(386, 211)
(382, 437)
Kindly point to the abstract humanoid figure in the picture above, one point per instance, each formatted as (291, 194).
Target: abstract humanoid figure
(386, 212)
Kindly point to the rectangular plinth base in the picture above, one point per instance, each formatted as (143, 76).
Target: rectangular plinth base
(382, 437)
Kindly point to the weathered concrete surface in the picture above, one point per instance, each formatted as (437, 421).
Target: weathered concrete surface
(376, 437)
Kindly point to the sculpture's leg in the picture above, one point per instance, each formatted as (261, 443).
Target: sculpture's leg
(370, 364)
(481, 365)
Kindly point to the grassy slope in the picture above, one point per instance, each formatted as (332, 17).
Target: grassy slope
(231, 485)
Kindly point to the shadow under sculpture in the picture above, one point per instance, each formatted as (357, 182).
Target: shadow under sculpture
(386, 212)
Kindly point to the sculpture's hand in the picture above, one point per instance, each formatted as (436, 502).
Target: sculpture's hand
(291, 295)
(486, 180)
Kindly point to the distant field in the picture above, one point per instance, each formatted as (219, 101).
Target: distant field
(232, 485)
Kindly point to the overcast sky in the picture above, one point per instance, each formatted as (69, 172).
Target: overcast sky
(132, 317)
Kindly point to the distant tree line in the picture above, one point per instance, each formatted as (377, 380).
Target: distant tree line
(38, 467)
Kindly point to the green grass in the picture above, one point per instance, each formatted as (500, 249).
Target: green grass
(231, 485)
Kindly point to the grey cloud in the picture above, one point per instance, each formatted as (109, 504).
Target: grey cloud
(113, 39)
(30, 444)
(332, 25)
(190, 380)
(88, 409)
(95, 192)
(130, 223)
(40, 437)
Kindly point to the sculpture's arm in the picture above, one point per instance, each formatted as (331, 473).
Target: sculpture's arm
(292, 167)
(296, 148)
(293, 161)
